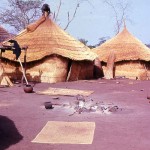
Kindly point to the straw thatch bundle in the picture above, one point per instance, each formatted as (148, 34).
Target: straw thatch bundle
(49, 50)
(128, 50)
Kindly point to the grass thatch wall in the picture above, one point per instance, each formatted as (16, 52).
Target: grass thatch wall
(132, 69)
(53, 69)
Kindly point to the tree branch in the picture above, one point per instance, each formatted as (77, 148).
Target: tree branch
(71, 19)
(120, 15)
(58, 10)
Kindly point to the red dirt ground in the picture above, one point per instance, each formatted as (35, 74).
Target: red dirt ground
(22, 115)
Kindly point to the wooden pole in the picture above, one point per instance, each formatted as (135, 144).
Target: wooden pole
(25, 65)
(23, 71)
(109, 73)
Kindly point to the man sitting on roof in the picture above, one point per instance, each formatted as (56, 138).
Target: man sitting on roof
(45, 8)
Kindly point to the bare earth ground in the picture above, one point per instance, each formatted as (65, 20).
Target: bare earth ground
(22, 115)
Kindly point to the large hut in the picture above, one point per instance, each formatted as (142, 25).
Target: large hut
(52, 55)
(132, 57)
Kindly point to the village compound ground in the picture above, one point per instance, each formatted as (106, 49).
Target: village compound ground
(23, 115)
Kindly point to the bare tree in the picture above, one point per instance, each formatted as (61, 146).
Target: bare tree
(120, 9)
(70, 18)
(83, 41)
(20, 13)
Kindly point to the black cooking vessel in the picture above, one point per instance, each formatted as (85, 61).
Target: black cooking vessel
(48, 105)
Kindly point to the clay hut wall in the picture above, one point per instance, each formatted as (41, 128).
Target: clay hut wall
(81, 70)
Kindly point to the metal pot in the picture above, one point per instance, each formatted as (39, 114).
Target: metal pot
(48, 105)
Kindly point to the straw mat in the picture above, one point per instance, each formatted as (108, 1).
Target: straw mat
(66, 92)
(66, 133)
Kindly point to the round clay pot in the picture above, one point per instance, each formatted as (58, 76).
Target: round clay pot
(28, 88)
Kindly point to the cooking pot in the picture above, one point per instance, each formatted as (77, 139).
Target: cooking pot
(28, 88)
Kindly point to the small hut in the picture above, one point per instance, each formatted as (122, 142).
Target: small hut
(52, 55)
(132, 57)
(3, 34)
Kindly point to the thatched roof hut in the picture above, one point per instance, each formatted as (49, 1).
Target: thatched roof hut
(132, 57)
(3, 34)
(53, 54)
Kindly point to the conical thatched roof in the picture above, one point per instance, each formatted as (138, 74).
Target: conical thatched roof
(3, 34)
(44, 38)
(125, 46)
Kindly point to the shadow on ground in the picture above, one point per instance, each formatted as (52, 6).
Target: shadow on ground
(9, 134)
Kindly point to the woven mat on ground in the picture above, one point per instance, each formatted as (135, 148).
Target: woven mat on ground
(66, 133)
(67, 92)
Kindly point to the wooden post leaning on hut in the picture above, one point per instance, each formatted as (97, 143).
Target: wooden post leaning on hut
(98, 70)
(109, 73)
(25, 64)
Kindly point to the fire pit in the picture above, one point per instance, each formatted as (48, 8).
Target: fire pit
(81, 105)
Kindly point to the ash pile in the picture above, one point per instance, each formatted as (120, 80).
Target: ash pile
(81, 105)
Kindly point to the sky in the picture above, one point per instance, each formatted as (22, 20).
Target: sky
(95, 19)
